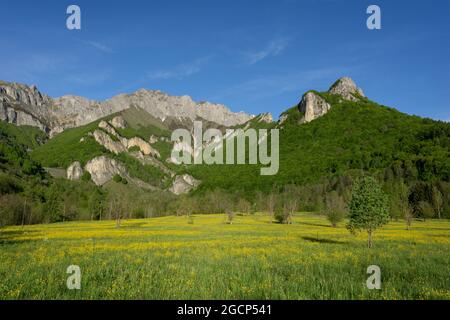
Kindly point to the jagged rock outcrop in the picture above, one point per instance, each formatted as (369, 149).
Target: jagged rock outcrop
(23, 94)
(122, 144)
(265, 117)
(108, 128)
(313, 106)
(153, 139)
(103, 169)
(283, 117)
(74, 171)
(119, 122)
(105, 140)
(18, 117)
(346, 88)
(145, 147)
(183, 184)
(24, 105)
(146, 160)
(55, 130)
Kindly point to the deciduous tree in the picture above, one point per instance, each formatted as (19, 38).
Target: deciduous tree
(368, 208)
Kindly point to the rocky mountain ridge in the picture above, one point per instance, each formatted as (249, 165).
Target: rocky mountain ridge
(26, 105)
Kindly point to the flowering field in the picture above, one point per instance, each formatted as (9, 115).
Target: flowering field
(169, 258)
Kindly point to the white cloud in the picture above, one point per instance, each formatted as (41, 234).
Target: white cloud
(88, 79)
(274, 48)
(179, 72)
(99, 46)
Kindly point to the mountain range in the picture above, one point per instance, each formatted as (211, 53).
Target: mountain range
(122, 146)
(25, 105)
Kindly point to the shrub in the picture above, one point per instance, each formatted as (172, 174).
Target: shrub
(86, 176)
(9, 185)
(117, 178)
(282, 215)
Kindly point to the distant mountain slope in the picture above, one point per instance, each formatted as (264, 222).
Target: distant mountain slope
(26, 105)
(100, 138)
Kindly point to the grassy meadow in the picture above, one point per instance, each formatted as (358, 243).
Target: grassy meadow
(170, 258)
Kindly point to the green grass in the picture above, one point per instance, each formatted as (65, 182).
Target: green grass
(168, 258)
(66, 148)
(141, 124)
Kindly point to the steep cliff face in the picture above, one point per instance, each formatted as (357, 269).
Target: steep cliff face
(313, 106)
(74, 171)
(19, 117)
(103, 169)
(25, 105)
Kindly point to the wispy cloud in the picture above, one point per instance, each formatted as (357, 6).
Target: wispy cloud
(99, 46)
(274, 48)
(179, 72)
(89, 79)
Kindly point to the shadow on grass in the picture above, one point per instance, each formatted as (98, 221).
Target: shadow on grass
(314, 224)
(7, 237)
(319, 240)
(130, 225)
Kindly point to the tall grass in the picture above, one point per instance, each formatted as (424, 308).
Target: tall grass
(169, 258)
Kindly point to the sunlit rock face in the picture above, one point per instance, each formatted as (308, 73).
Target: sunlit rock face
(103, 169)
(313, 106)
(347, 88)
(74, 171)
(183, 184)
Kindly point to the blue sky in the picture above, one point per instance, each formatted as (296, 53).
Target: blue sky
(255, 56)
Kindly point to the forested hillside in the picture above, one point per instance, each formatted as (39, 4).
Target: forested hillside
(352, 139)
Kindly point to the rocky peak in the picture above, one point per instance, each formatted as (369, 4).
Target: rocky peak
(265, 117)
(346, 88)
(23, 105)
(119, 122)
(21, 93)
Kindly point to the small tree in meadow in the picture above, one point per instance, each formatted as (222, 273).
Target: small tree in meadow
(438, 201)
(244, 206)
(403, 204)
(368, 208)
(271, 203)
(335, 208)
(230, 215)
(408, 218)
